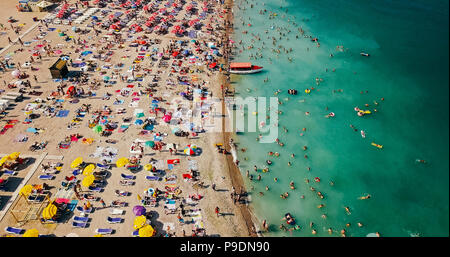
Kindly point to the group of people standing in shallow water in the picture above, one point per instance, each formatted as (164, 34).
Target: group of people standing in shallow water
(257, 44)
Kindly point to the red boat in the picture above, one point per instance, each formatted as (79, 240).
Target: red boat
(244, 68)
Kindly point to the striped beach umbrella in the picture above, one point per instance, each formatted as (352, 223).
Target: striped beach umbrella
(190, 149)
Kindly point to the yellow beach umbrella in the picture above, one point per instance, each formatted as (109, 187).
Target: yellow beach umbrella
(139, 198)
(3, 159)
(76, 162)
(89, 169)
(146, 231)
(26, 190)
(88, 180)
(14, 155)
(148, 167)
(122, 162)
(98, 235)
(31, 233)
(49, 211)
(139, 222)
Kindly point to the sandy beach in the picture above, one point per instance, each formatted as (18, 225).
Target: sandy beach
(138, 77)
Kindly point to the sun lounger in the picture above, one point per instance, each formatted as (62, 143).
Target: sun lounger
(128, 176)
(104, 231)
(46, 177)
(80, 219)
(13, 230)
(80, 209)
(95, 189)
(113, 220)
(116, 212)
(152, 178)
(79, 224)
(9, 172)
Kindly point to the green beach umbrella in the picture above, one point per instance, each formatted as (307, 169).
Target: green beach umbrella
(150, 143)
(98, 129)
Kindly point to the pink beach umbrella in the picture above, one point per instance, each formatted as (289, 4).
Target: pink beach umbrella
(167, 118)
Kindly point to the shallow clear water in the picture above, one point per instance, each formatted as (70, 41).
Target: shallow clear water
(408, 66)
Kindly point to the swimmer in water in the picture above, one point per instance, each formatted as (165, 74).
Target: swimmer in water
(293, 155)
(360, 224)
(364, 197)
(314, 232)
(305, 148)
(320, 206)
(275, 179)
(267, 188)
(324, 216)
(289, 164)
(330, 231)
(347, 209)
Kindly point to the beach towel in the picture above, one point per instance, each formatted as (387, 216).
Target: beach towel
(62, 113)
(124, 127)
(173, 161)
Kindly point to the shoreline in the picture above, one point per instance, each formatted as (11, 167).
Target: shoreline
(234, 172)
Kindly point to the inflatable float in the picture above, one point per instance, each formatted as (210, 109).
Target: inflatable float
(377, 145)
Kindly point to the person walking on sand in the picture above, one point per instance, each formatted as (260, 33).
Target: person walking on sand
(217, 211)
(103, 203)
(213, 186)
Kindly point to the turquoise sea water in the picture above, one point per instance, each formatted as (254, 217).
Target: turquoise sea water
(408, 66)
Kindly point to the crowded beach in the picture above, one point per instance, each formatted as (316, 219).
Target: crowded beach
(97, 134)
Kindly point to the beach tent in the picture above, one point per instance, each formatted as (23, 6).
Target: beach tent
(59, 69)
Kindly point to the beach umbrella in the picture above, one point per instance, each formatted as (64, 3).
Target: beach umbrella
(139, 222)
(26, 190)
(65, 58)
(76, 162)
(122, 162)
(106, 78)
(98, 235)
(49, 211)
(148, 167)
(146, 231)
(88, 180)
(175, 130)
(139, 122)
(98, 129)
(190, 149)
(154, 101)
(150, 144)
(15, 73)
(14, 156)
(3, 159)
(139, 210)
(167, 118)
(89, 169)
(31, 233)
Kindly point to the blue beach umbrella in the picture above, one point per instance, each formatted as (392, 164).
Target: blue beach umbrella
(139, 122)
(65, 58)
(155, 101)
